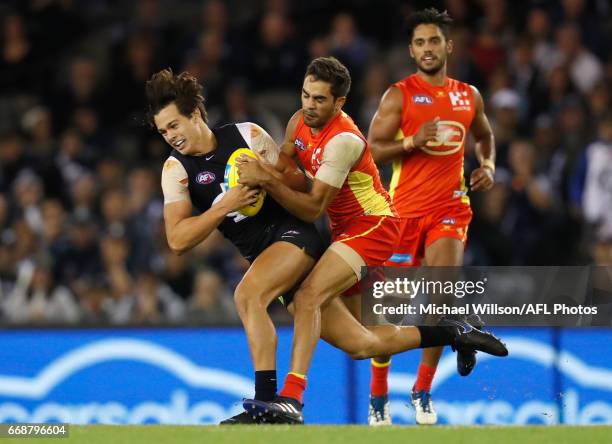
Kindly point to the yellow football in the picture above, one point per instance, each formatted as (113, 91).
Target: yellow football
(231, 179)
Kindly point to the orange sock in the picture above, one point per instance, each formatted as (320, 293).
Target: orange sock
(424, 378)
(380, 372)
(294, 387)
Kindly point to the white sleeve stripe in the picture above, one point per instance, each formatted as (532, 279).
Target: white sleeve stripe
(245, 132)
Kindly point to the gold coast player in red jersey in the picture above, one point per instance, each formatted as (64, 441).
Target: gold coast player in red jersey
(346, 184)
(364, 223)
(421, 125)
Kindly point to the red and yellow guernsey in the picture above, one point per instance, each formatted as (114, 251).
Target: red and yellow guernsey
(362, 193)
(432, 177)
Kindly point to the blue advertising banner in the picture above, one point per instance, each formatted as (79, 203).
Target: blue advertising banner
(199, 376)
(537, 383)
(145, 376)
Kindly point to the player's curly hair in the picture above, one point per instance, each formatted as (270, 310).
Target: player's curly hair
(430, 16)
(184, 90)
(332, 71)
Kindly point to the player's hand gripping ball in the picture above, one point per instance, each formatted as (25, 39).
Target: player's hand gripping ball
(231, 179)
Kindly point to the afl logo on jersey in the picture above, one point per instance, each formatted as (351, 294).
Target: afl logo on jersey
(451, 137)
(205, 177)
(299, 145)
(422, 99)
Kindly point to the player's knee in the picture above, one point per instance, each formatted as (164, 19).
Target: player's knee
(244, 301)
(306, 299)
(248, 300)
(241, 302)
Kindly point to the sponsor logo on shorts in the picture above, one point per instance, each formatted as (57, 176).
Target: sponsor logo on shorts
(422, 99)
(290, 234)
(205, 177)
(299, 144)
(401, 258)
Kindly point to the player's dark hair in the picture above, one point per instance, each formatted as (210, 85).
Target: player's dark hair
(332, 71)
(430, 16)
(164, 88)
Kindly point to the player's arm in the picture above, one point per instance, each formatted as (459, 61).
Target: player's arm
(340, 154)
(278, 161)
(384, 128)
(482, 178)
(384, 136)
(183, 230)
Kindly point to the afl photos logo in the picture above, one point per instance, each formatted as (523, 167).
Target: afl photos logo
(451, 137)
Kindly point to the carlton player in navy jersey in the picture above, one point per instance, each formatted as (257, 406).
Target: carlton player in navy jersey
(281, 248)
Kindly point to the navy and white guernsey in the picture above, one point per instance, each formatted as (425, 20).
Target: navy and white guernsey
(206, 186)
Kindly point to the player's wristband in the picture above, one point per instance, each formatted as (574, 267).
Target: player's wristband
(408, 143)
(488, 163)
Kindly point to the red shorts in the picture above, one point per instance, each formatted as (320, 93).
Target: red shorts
(372, 237)
(418, 233)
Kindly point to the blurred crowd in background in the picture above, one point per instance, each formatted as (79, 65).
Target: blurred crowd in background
(81, 211)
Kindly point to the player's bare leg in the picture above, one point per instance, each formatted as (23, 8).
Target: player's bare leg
(259, 287)
(342, 330)
(379, 413)
(444, 252)
(317, 294)
(330, 277)
(255, 292)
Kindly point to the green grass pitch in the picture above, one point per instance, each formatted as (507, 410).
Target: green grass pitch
(326, 434)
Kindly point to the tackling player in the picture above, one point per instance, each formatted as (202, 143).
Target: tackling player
(363, 221)
(281, 248)
(421, 125)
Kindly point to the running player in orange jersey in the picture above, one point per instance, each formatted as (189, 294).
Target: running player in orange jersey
(421, 125)
(364, 224)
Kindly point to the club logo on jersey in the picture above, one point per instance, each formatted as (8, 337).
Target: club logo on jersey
(422, 99)
(299, 145)
(315, 159)
(451, 137)
(459, 100)
(205, 177)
